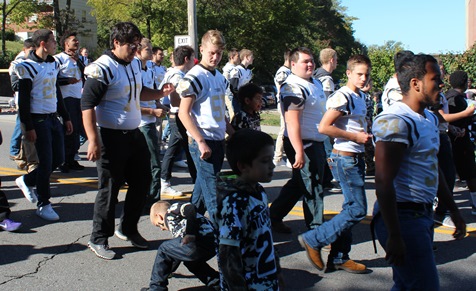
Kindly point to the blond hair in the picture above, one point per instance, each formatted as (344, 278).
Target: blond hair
(245, 53)
(214, 37)
(159, 207)
(326, 55)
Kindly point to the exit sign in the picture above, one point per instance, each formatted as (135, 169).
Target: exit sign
(180, 40)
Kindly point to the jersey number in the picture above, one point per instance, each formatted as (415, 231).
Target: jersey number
(217, 107)
(266, 264)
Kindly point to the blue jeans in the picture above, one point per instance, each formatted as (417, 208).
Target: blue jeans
(152, 138)
(204, 195)
(194, 255)
(15, 141)
(50, 149)
(419, 269)
(349, 172)
(306, 183)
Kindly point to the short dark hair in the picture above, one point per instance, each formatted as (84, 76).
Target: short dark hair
(459, 80)
(28, 43)
(124, 32)
(41, 35)
(155, 49)
(412, 66)
(232, 53)
(400, 56)
(181, 52)
(248, 91)
(244, 146)
(294, 54)
(65, 36)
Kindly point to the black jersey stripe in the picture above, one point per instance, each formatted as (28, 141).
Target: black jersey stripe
(104, 72)
(58, 60)
(30, 68)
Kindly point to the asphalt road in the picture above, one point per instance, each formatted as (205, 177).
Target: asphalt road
(54, 256)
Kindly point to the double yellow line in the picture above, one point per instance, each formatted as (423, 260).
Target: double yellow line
(297, 210)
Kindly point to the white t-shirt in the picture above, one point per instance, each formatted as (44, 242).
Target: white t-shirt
(354, 108)
(417, 178)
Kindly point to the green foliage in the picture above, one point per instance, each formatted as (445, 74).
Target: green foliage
(465, 61)
(382, 62)
(267, 27)
(9, 35)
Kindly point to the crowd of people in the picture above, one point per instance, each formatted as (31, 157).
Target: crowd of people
(415, 144)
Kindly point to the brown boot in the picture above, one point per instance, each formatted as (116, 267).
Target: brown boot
(313, 255)
(349, 266)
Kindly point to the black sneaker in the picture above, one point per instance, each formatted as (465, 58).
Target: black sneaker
(136, 239)
(74, 165)
(102, 251)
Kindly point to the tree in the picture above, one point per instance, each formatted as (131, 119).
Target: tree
(267, 27)
(16, 11)
(382, 62)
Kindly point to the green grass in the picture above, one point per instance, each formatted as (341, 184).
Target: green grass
(270, 118)
(14, 46)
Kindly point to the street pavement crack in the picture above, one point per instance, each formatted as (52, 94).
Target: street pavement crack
(44, 261)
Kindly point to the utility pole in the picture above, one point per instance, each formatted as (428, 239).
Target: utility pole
(192, 23)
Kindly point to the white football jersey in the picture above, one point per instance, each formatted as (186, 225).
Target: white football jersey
(244, 75)
(208, 110)
(148, 79)
(43, 75)
(173, 76)
(120, 106)
(69, 69)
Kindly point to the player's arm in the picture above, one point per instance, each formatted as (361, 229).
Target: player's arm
(158, 112)
(174, 99)
(452, 117)
(445, 197)
(388, 157)
(24, 92)
(326, 126)
(293, 125)
(184, 115)
(93, 92)
(188, 211)
(62, 111)
(148, 94)
(231, 265)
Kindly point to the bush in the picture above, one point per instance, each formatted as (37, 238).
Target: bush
(9, 35)
(6, 59)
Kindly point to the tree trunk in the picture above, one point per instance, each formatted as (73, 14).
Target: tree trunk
(57, 20)
(4, 23)
(66, 18)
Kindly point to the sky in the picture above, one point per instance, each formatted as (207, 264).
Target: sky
(427, 26)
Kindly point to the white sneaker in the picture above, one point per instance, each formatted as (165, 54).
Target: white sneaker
(47, 213)
(168, 190)
(181, 164)
(288, 164)
(29, 192)
(448, 222)
(279, 163)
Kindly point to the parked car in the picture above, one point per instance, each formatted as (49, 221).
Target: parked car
(269, 95)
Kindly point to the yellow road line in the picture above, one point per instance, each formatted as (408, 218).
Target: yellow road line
(296, 211)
